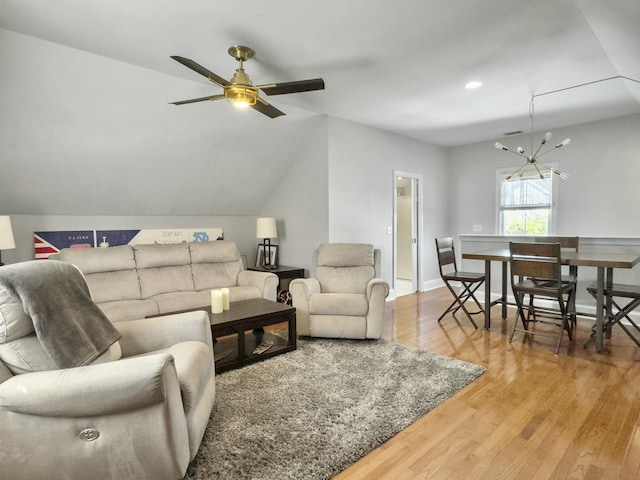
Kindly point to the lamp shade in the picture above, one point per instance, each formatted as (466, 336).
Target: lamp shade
(6, 233)
(266, 228)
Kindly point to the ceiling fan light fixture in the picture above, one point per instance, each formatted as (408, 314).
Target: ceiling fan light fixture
(241, 97)
(240, 91)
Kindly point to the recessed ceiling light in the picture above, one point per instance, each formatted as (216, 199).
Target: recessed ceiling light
(472, 85)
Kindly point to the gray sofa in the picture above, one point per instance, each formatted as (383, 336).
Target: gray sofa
(136, 412)
(132, 282)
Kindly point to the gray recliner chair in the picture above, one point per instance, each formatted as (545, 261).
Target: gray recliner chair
(346, 299)
(135, 410)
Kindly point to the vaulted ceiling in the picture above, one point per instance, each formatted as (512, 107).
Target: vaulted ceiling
(102, 68)
(398, 65)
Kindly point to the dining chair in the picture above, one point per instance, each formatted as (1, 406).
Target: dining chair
(566, 244)
(470, 281)
(536, 270)
(631, 294)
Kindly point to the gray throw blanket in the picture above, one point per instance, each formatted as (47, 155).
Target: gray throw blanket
(69, 325)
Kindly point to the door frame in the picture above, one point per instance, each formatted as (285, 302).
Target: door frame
(417, 221)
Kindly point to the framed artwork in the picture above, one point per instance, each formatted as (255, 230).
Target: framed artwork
(260, 255)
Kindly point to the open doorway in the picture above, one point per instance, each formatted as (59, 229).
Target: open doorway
(407, 232)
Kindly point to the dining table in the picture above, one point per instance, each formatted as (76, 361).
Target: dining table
(604, 262)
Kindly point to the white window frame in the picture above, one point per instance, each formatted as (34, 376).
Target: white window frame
(553, 214)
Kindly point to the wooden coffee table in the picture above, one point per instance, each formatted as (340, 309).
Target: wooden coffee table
(239, 330)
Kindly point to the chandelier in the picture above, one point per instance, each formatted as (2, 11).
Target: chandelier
(540, 169)
(531, 160)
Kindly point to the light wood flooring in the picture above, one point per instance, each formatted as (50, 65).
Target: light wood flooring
(532, 415)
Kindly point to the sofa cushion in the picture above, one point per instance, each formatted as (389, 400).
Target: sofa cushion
(244, 293)
(92, 260)
(345, 267)
(337, 326)
(20, 349)
(155, 281)
(158, 255)
(178, 301)
(351, 304)
(163, 268)
(14, 323)
(345, 255)
(26, 355)
(214, 252)
(123, 310)
(207, 276)
(113, 286)
(344, 279)
(110, 272)
(215, 264)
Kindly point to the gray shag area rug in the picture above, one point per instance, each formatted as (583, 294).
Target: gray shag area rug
(311, 413)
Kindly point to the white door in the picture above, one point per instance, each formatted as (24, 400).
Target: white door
(406, 233)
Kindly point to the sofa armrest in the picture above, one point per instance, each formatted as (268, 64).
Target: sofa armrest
(377, 291)
(377, 286)
(267, 283)
(301, 291)
(93, 390)
(150, 334)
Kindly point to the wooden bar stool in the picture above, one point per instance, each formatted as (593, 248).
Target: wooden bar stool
(449, 273)
(536, 270)
(629, 292)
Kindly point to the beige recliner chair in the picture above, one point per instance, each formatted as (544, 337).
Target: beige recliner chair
(345, 299)
(137, 410)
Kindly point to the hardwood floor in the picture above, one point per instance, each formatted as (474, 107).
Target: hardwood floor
(531, 415)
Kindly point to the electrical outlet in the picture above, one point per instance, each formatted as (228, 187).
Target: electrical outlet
(389, 230)
(477, 228)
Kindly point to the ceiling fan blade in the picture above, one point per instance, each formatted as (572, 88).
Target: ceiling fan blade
(292, 87)
(201, 99)
(266, 108)
(196, 67)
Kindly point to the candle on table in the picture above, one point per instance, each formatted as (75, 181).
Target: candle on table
(225, 298)
(216, 301)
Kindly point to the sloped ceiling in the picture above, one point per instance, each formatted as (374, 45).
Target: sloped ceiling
(86, 85)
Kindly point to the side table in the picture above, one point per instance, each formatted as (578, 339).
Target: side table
(282, 271)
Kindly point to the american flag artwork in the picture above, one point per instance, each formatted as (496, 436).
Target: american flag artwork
(47, 243)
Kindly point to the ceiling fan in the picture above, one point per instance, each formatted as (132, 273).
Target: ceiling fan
(240, 91)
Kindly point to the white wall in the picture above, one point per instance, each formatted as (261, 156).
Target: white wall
(300, 201)
(600, 198)
(362, 161)
(82, 134)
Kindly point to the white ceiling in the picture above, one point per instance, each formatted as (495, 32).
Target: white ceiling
(398, 65)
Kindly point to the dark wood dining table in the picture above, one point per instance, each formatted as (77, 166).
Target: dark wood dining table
(604, 262)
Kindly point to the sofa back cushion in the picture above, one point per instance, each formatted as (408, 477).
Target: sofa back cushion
(163, 268)
(345, 267)
(14, 323)
(20, 349)
(110, 272)
(215, 264)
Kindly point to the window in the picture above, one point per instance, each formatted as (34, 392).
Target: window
(526, 206)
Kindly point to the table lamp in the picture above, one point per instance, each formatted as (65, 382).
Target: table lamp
(6, 235)
(266, 229)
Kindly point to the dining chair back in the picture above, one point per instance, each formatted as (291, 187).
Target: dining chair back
(451, 276)
(566, 243)
(536, 270)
